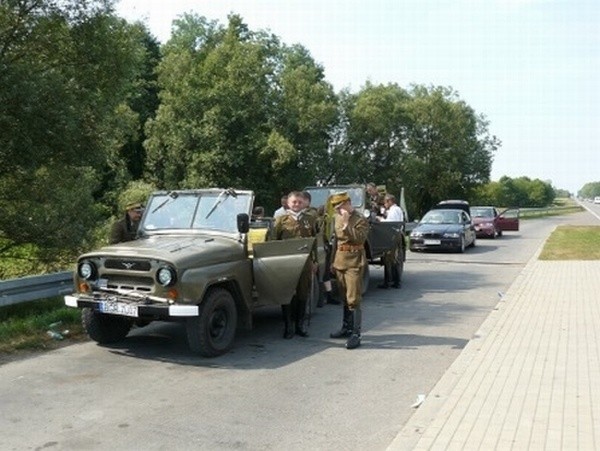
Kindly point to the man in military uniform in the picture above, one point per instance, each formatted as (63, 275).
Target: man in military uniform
(349, 261)
(296, 223)
(376, 200)
(126, 228)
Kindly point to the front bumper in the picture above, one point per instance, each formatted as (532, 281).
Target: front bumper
(420, 244)
(485, 231)
(122, 306)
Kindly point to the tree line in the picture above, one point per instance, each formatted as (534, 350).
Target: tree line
(95, 112)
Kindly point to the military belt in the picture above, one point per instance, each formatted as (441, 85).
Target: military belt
(350, 247)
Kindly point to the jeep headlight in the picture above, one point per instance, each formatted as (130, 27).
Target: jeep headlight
(86, 270)
(166, 276)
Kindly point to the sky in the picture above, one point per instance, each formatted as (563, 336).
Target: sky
(531, 67)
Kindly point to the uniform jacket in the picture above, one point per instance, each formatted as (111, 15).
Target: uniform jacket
(123, 230)
(353, 236)
(287, 226)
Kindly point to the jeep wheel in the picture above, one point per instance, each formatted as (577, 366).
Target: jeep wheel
(212, 332)
(104, 328)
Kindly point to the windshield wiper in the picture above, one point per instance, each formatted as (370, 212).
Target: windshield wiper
(172, 195)
(224, 195)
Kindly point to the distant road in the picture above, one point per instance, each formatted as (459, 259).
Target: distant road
(268, 393)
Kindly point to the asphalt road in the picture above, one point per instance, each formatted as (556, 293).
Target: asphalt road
(150, 393)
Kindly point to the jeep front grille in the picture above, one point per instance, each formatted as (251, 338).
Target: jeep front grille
(142, 284)
(127, 264)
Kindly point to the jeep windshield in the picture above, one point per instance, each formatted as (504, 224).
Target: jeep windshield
(196, 210)
(320, 194)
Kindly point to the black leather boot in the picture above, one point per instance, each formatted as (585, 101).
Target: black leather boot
(395, 276)
(386, 277)
(330, 299)
(354, 340)
(288, 331)
(347, 325)
(301, 326)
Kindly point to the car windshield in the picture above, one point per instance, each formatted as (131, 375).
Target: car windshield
(442, 217)
(214, 210)
(482, 212)
(319, 195)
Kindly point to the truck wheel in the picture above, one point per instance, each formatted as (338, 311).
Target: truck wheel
(212, 332)
(104, 328)
(366, 279)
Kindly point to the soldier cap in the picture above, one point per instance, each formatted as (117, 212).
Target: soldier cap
(339, 198)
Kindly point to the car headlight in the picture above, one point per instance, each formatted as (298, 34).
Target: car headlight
(166, 276)
(87, 270)
(487, 224)
(451, 235)
(415, 234)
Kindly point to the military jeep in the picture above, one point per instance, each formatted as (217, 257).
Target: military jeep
(193, 262)
(383, 236)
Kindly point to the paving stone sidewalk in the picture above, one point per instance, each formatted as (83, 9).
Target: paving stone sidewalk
(530, 377)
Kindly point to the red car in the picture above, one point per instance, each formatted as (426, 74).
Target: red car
(490, 223)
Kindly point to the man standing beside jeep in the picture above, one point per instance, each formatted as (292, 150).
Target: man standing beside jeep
(126, 229)
(297, 223)
(349, 261)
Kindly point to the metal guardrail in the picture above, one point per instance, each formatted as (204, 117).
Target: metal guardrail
(32, 288)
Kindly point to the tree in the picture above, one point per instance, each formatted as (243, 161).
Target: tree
(426, 140)
(237, 109)
(518, 192)
(449, 150)
(66, 69)
(372, 136)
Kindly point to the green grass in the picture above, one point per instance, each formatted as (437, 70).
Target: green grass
(25, 326)
(572, 243)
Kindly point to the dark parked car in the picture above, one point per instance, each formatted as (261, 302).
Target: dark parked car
(489, 223)
(447, 226)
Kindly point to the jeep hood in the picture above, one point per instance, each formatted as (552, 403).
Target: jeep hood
(183, 251)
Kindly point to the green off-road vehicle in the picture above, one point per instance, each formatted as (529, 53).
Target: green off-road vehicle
(200, 260)
(383, 236)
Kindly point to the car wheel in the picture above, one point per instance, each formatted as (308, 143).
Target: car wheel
(104, 328)
(499, 233)
(474, 243)
(212, 332)
(461, 248)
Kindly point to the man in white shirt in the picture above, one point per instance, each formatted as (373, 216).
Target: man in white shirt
(283, 209)
(393, 213)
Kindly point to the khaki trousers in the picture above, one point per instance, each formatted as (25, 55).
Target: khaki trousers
(350, 285)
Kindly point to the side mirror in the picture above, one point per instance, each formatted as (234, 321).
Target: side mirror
(243, 222)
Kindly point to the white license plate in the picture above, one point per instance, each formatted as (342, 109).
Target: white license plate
(118, 308)
(432, 242)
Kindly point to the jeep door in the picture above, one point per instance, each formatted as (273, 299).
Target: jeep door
(277, 266)
(383, 236)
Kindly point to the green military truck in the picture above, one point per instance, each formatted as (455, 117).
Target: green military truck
(198, 260)
(383, 236)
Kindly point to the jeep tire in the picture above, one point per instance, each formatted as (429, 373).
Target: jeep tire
(103, 328)
(212, 332)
